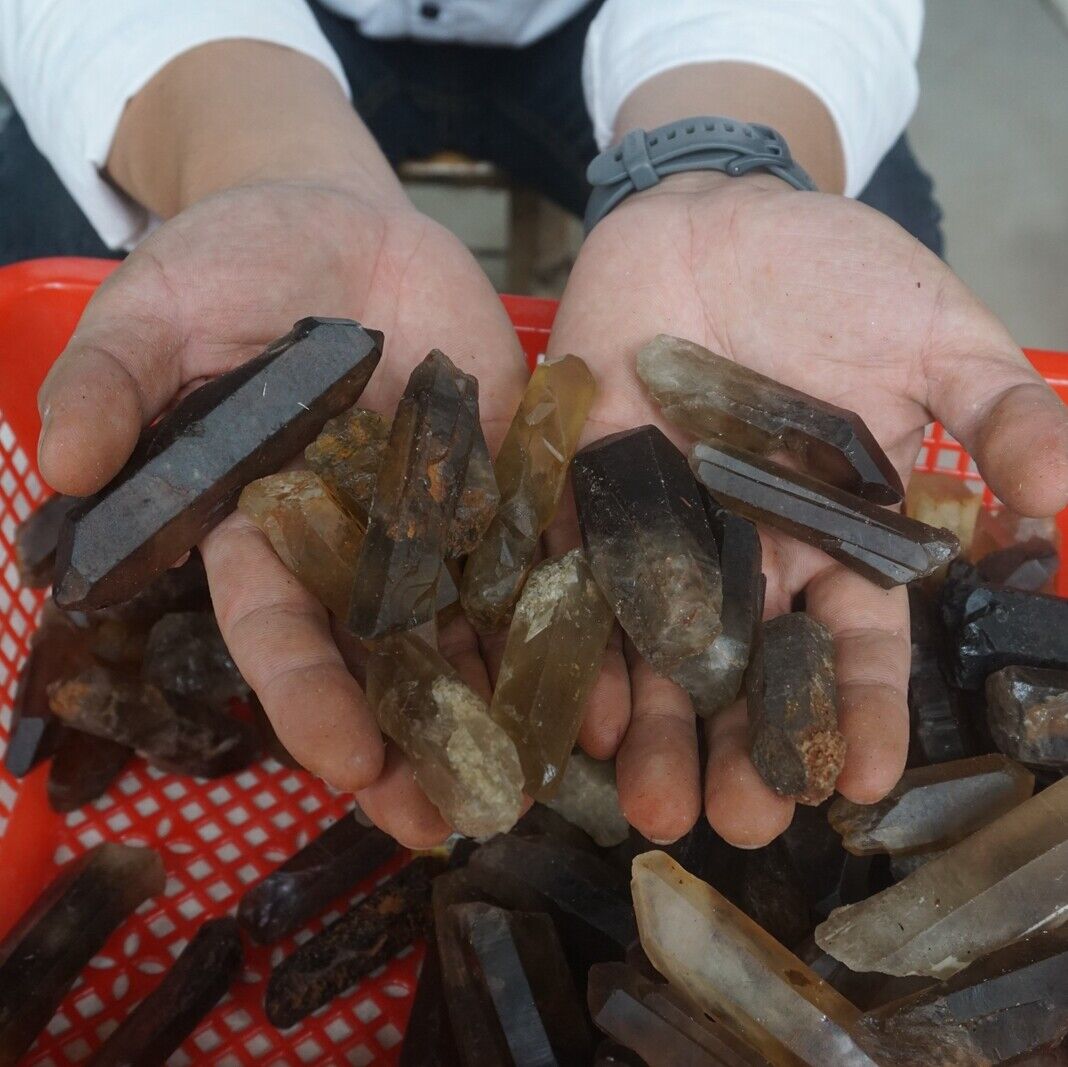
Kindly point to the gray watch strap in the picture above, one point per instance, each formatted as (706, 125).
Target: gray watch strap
(641, 159)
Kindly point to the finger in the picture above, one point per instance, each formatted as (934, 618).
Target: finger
(656, 768)
(740, 806)
(870, 627)
(397, 805)
(458, 643)
(607, 716)
(279, 636)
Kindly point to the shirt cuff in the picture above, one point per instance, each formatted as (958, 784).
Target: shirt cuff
(77, 63)
(859, 59)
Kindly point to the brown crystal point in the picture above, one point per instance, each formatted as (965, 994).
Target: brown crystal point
(367, 936)
(428, 1040)
(183, 588)
(1006, 1005)
(186, 656)
(46, 950)
(185, 475)
(1002, 882)
(327, 866)
(887, 548)
(189, 990)
(710, 395)
(419, 484)
(944, 500)
(479, 497)
(311, 533)
(83, 768)
(1027, 711)
(347, 454)
(36, 538)
(464, 762)
(175, 733)
(793, 709)
(933, 807)
(531, 471)
(649, 542)
(716, 956)
(587, 796)
(552, 658)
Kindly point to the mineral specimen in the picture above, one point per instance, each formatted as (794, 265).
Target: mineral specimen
(83, 768)
(1031, 566)
(793, 713)
(933, 807)
(720, 959)
(774, 896)
(1002, 882)
(464, 762)
(529, 1004)
(185, 475)
(367, 936)
(1027, 711)
(649, 543)
(186, 656)
(479, 497)
(347, 454)
(35, 541)
(714, 677)
(531, 470)
(182, 588)
(944, 500)
(428, 1040)
(189, 990)
(176, 734)
(714, 396)
(331, 864)
(1012, 1002)
(552, 658)
(1000, 529)
(42, 956)
(587, 796)
(887, 548)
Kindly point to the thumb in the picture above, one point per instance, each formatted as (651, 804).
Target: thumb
(119, 370)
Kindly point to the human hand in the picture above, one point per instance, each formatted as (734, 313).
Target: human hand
(833, 298)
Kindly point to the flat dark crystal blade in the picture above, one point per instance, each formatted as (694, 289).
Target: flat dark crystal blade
(327, 866)
(189, 990)
(714, 396)
(83, 768)
(36, 538)
(1027, 711)
(367, 936)
(42, 956)
(885, 547)
(649, 543)
(185, 475)
(428, 1040)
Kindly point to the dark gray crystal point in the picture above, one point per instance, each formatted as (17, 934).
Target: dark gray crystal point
(185, 475)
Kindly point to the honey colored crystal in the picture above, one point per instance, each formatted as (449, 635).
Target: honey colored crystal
(940, 499)
(555, 646)
(715, 955)
(464, 762)
(933, 807)
(347, 454)
(531, 470)
(1004, 881)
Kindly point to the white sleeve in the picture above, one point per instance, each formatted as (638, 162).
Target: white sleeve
(858, 57)
(70, 66)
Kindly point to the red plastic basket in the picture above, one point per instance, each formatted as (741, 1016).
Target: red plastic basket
(216, 837)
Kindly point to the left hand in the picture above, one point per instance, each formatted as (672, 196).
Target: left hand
(833, 298)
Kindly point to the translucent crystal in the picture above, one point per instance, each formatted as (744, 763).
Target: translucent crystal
(186, 655)
(587, 796)
(944, 500)
(347, 454)
(1027, 711)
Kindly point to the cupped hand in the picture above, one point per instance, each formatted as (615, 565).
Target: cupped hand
(832, 298)
(210, 289)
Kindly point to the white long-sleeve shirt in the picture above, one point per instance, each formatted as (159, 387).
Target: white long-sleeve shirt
(71, 65)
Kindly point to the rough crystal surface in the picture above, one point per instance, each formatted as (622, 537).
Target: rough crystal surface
(933, 807)
(347, 454)
(587, 796)
(465, 763)
(887, 548)
(992, 888)
(185, 475)
(713, 396)
(186, 656)
(531, 470)
(1031, 566)
(552, 658)
(1027, 711)
(944, 500)
(36, 539)
(793, 710)
(46, 950)
(83, 768)
(649, 543)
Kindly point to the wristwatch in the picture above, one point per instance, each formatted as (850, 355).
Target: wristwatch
(710, 142)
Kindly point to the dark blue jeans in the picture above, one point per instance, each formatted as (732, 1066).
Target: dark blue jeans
(521, 109)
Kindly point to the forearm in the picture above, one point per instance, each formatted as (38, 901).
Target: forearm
(235, 112)
(749, 92)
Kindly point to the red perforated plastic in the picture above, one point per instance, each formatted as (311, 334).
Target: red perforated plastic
(215, 837)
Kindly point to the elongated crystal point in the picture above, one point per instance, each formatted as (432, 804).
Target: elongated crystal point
(715, 397)
(649, 543)
(36, 538)
(887, 548)
(718, 957)
(83, 768)
(553, 656)
(531, 470)
(1004, 881)
(1027, 711)
(185, 475)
